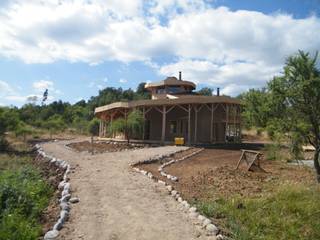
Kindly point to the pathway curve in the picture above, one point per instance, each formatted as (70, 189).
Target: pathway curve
(117, 203)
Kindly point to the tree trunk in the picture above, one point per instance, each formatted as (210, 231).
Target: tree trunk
(316, 163)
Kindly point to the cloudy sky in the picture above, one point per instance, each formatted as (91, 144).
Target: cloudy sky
(74, 48)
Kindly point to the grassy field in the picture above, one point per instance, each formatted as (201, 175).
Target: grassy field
(287, 212)
(24, 194)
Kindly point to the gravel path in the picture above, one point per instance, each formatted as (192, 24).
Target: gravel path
(117, 203)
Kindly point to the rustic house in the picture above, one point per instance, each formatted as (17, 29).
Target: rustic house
(176, 111)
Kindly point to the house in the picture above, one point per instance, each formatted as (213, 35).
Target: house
(176, 111)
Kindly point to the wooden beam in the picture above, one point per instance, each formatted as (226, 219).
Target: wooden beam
(163, 134)
(99, 128)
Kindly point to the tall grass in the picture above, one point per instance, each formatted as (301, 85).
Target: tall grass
(23, 196)
(290, 212)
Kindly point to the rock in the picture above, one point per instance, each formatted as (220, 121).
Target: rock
(65, 198)
(161, 182)
(193, 215)
(58, 226)
(206, 221)
(212, 229)
(65, 192)
(180, 200)
(61, 185)
(67, 186)
(192, 209)
(53, 234)
(168, 176)
(163, 174)
(201, 218)
(219, 237)
(173, 178)
(64, 216)
(74, 200)
(173, 193)
(65, 206)
(150, 175)
(169, 187)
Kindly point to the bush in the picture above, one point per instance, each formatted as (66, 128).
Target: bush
(23, 197)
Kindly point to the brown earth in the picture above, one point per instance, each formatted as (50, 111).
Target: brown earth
(101, 147)
(213, 171)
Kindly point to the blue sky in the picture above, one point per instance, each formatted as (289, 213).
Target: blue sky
(77, 47)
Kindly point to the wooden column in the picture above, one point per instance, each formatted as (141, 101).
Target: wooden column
(144, 122)
(189, 124)
(227, 119)
(211, 124)
(111, 120)
(195, 123)
(163, 134)
(99, 128)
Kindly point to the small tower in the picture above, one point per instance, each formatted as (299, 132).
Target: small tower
(170, 86)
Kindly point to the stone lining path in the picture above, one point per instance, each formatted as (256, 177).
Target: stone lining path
(117, 203)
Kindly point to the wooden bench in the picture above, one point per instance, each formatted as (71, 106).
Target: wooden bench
(252, 159)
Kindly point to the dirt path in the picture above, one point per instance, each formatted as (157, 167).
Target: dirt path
(117, 203)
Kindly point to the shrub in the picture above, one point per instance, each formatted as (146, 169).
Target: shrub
(23, 197)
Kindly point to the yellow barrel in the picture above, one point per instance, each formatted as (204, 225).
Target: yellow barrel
(178, 141)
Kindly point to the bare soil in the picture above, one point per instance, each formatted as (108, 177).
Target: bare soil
(212, 173)
(101, 147)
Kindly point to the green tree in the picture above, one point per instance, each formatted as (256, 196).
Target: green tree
(93, 127)
(295, 101)
(256, 110)
(205, 91)
(54, 124)
(130, 127)
(23, 130)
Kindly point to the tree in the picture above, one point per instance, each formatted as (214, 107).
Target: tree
(295, 101)
(93, 127)
(205, 91)
(44, 97)
(23, 130)
(256, 108)
(54, 124)
(130, 127)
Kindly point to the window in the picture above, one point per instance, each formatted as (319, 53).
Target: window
(174, 89)
(173, 127)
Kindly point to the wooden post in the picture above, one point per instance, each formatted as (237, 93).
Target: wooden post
(189, 124)
(163, 134)
(195, 123)
(111, 120)
(100, 128)
(144, 122)
(211, 124)
(227, 118)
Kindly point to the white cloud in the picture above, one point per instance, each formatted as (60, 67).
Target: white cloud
(122, 80)
(5, 89)
(216, 46)
(42, 85)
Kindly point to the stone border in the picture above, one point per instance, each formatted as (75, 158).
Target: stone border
(175, 178)
(205, 223)
(63, 186)
(136, 146)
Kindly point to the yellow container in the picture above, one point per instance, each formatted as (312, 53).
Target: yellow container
(179, 141)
